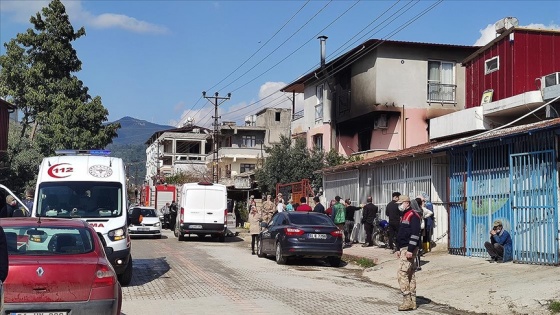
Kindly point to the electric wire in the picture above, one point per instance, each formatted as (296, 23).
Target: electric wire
(278, 47)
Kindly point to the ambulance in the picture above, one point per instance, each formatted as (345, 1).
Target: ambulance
(89, 185)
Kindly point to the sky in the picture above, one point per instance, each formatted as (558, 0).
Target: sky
(151, 60)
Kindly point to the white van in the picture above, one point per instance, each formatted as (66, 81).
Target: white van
(90, 185)
(203, 211)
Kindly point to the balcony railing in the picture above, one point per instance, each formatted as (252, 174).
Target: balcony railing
(298, 115)
(441, 93)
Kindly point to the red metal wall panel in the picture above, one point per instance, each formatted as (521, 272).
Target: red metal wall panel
(530, 55)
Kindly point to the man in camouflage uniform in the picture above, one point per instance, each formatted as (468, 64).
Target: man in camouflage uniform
(408, 241)
(267, 209)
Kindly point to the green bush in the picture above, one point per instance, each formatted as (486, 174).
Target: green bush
(554, 307)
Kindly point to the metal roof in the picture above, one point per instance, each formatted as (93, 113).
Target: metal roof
(440, 146)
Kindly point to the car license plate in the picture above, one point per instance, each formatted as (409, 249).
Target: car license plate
(318, 236)
(40, 313)
(143, 229)
(195, 226)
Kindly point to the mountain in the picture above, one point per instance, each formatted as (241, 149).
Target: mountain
(136, 131)
(130, 147)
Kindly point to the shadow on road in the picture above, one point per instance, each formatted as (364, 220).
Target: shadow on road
(208, 239)
(147, 270)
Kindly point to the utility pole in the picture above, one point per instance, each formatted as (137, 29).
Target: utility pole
(216, 100)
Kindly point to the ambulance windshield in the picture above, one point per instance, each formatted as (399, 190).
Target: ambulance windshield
(80, 200)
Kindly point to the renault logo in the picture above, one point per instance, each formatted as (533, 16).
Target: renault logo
(40, 271)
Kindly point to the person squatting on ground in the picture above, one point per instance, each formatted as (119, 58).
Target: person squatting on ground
(394, 215)
(267, 209)
(349, 224)
(500, 246)
(254, 226)
(408, 241)
(339, 213)
(368, 217)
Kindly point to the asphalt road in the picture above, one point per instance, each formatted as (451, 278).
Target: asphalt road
(203, 276)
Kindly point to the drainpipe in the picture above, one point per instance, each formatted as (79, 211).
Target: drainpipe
(403, 129)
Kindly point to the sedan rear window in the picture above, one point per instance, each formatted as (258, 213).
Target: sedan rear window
(28, 240)
(310, 219)
(145, 212)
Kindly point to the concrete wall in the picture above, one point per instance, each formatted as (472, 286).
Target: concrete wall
(275, 128)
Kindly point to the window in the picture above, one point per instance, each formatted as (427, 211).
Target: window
(441, 81)
(318, 141)
(364, 140)
(491, 65)
(246, 168)
(248, 141)
(319, 106)
(277, 116)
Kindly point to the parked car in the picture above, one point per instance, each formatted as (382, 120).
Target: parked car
(301, 234)
(150, 224)
(58, 266)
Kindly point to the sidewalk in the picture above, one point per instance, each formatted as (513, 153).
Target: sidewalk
(470, 284)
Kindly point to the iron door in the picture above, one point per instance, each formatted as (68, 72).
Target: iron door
(534, 201)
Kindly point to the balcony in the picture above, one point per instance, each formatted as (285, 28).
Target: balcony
(441, 93)
(298, 115)
(238, 152)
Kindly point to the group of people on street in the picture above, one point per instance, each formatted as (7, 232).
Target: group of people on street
(12, 209)
(169, 212)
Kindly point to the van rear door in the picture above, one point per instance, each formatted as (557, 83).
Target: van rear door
(215, 205)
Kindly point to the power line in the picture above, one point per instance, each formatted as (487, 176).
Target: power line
(300, 47)
(244, 62)
(290, 37)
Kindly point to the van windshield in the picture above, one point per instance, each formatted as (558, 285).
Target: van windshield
(79, 200)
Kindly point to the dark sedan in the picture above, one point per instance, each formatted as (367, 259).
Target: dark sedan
(301, 234)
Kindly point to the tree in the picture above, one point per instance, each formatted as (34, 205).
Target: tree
(287, 163)
(22, 160)
(38, 76)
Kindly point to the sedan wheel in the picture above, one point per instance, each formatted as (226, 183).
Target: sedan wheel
(280, 259)
(334, 261)
(260, 252)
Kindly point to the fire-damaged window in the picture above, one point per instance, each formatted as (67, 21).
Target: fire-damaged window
(364, 139)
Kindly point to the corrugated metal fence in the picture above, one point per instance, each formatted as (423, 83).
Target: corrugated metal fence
(488, 179)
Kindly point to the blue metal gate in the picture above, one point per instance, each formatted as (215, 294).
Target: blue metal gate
(457, 201)
(534, 199)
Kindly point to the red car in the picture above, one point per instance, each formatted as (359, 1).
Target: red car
(58, 266)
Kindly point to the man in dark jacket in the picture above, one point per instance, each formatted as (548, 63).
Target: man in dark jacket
(394, 215)
(370, 212)
(349, 224)
(173, 210)
(408, 241)
(319, 208)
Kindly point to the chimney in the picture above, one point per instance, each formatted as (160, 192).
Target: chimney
(323, 39)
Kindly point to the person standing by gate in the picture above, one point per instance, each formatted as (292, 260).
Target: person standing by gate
(349, 224)
(339, 213)
(368, 217)
(267, 209)
(394, 215)
(408, 241)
